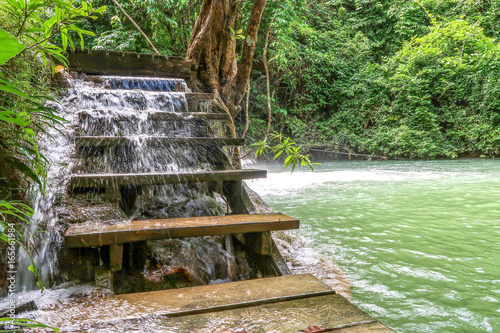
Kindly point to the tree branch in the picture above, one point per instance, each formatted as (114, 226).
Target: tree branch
(245, 65)
(135, 24)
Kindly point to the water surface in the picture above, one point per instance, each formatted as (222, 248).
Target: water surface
(419, 240)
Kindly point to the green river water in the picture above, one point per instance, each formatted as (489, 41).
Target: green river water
(419, 240)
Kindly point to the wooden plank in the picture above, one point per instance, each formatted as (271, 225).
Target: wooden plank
(332, 312)
(363, 327)
(279, 304)
(116, 257)
(204, 298)
(127, 63)
(105, 308)
(106, 141)
(97, 234)
(208, 96)
(188, 115)
(228, 296)
(135, 179)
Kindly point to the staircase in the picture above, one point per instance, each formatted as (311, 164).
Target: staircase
(125, 134)
(114, 173)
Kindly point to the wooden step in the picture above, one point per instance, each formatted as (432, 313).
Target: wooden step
(331, 312)
(161, 115)
(194, 101)
(106, 141)
(134, 179)
(203, 299)
(208, 96)
(278, 304)
(95, 235)
(128, 63)
(188, 116)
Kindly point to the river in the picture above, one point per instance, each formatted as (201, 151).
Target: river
(419, 240)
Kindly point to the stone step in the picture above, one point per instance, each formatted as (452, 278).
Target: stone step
(277, 304)
(107, 141)
(137, 179)
(97, 234)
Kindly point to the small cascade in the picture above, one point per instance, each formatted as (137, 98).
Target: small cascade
(142, 201)
(45, 238)
(149, 114)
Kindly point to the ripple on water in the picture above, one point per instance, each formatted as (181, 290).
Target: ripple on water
(419, 240)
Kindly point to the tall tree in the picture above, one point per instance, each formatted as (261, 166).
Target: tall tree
(212, 50)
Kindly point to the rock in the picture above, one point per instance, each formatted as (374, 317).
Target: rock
(62, 78)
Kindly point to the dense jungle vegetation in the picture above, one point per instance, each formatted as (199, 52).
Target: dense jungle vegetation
(33, 38)
(387, 77)
(394, 78)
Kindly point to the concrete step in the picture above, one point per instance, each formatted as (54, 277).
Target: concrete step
(146, 179)
(97, 234)
(107, 141)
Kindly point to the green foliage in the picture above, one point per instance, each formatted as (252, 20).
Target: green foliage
(392, 78)
(18, 147)
(411, 78)
(37, 22)
(167, 23)
(35, 27)
(279, 145)
(20, 325)
(9, 46)
(437, 96)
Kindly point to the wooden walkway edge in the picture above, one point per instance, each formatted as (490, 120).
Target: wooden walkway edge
(162, 178)
(97, 234)
(279, 304)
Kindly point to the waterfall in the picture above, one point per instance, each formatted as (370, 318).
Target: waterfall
(132, 109)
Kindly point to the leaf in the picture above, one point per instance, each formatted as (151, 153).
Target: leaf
(59, 69)
(21, 167)
(315, 329)
(278, 154)
(64, 38)
(26, 323)
(7, 86)
(9, 46)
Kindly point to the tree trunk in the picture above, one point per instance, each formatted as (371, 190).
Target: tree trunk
(212, 50)
(268, 92)
(247, 105)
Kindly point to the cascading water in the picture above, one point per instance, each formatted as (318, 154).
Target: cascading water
(133, 109)
(144, 114)
(42, 233)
